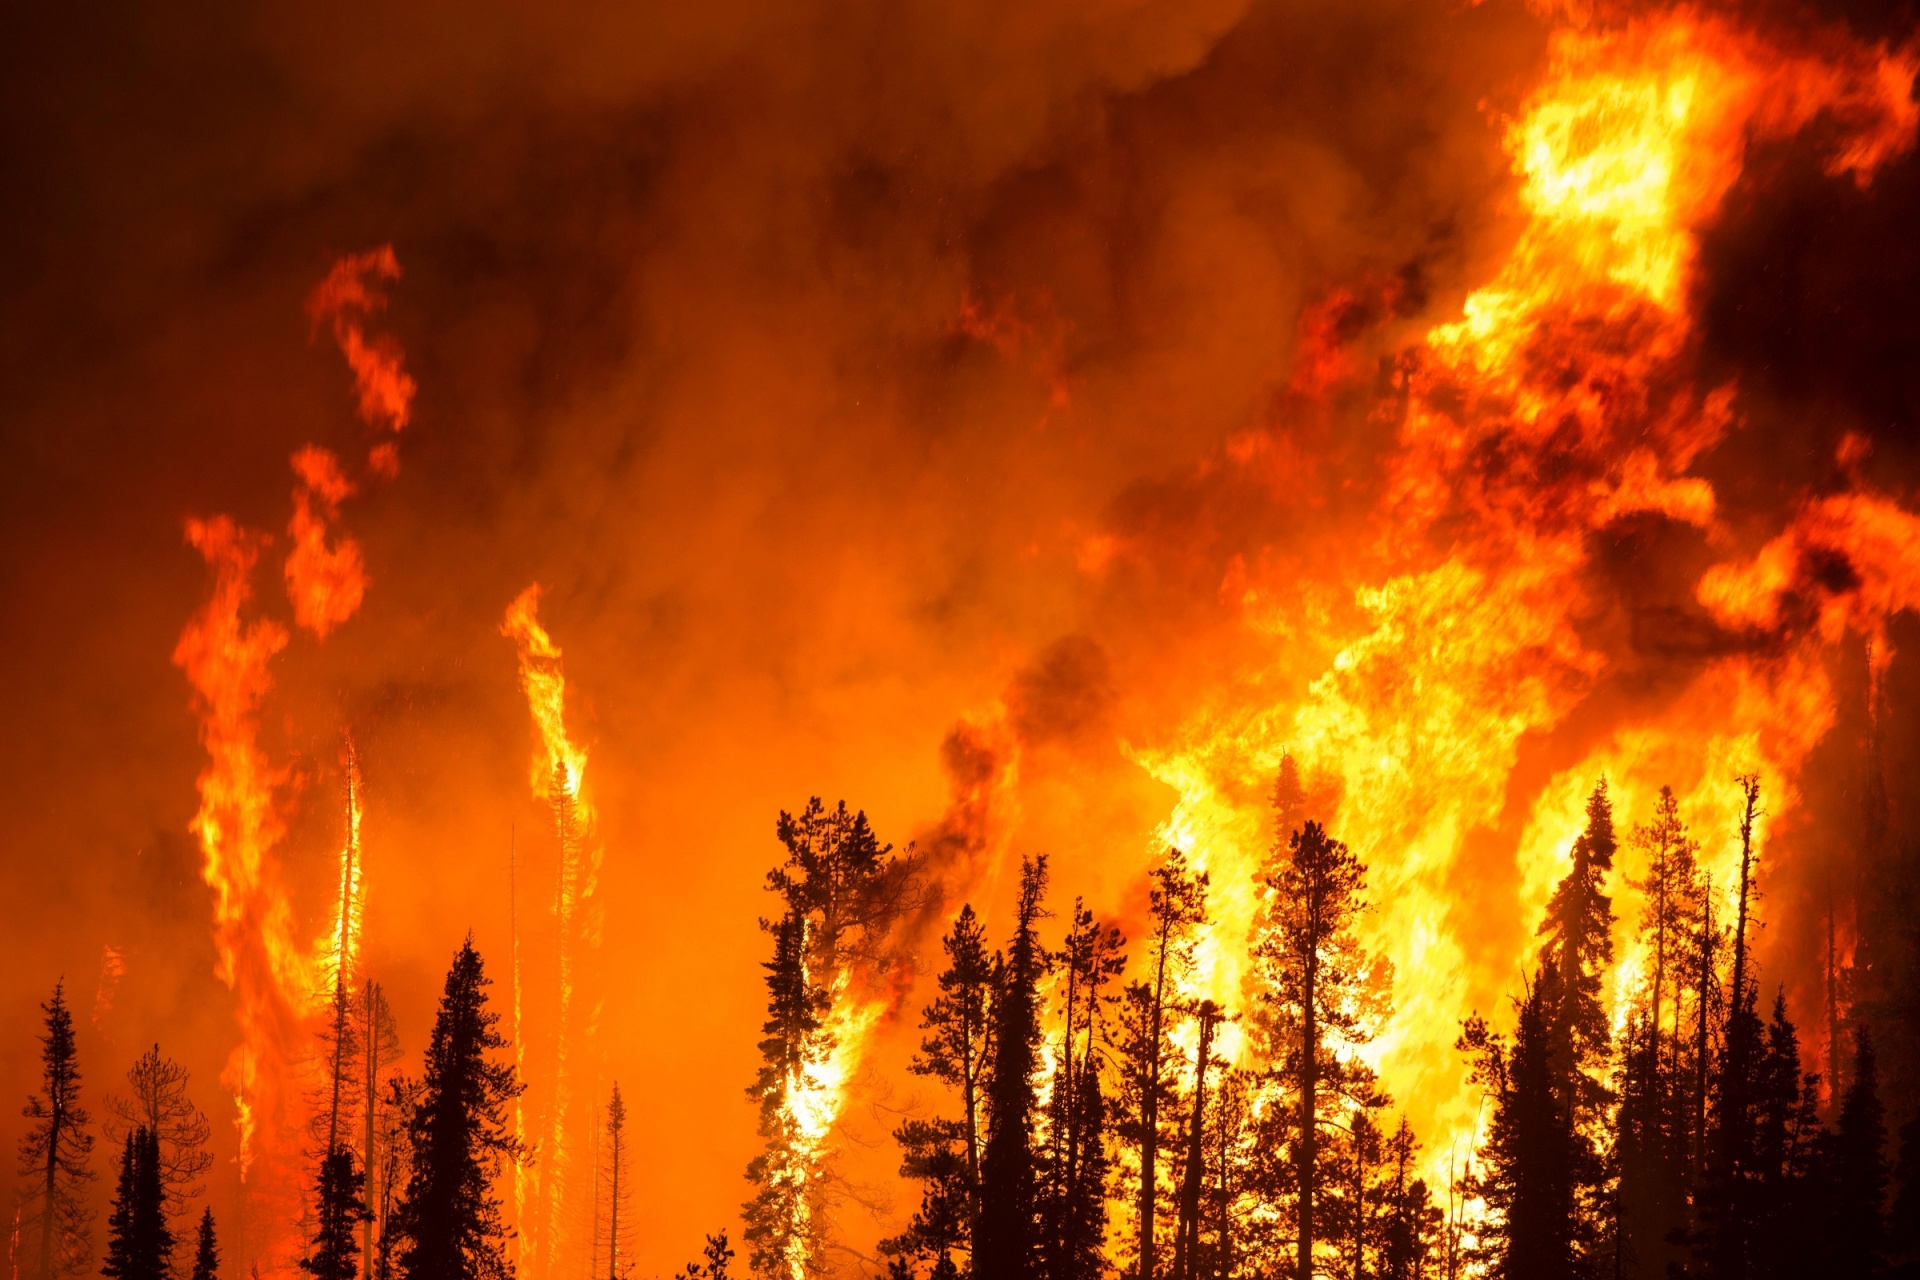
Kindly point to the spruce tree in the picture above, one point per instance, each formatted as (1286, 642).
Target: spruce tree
(1903, 1222)
(1859, 1173)
(341, 1207)
(1725, 1206)
(1320, 988)
(458, 1137)
(206, 1252)
(954, 1050)
(1144, 1045)
(139, 1242)
(617, 1194)
(1529, 1159)
(54, 1154)
(1007, 1247)
(1578, 933)
(783, 1218)
(1074, 1163)
(1411, 1218)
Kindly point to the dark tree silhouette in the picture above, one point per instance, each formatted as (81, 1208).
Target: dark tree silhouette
(1148, 1013)
(1320, 987)
(616, 1169)
(1073, 1189)
(955, 1050)
(206, 1250)
(1193, 1174)
(341, 1203)
(1857, 1238)
(1578, 944)
(1528, 1173)
(139, 1243)
(781, 1219)
(55, 1153)
(459, 1135)
(157, 1100)
(1008, 1244)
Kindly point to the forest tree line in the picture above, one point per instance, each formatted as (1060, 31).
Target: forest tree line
(1090, 1126)
(1097, 1118)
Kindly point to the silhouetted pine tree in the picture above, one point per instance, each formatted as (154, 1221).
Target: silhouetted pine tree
(206, 1252)
(1193, 1173)
(1528, 1174)
(54, 1154)
(1858, 1232)
(1725, 1206)
(1411, 1219)
(944, 1154)
(1008, 1244)
(1321, 990)
(1786, 1194)
(139, 1243)
(1143, 1041)
(1578, 932)
(341, 1207)
(1074, 1167)
(1651, 1126)
(618, 1192)
(458, 1136)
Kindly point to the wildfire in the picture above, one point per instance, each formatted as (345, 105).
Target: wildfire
(279, 983)
(557, 773)
(1553, 406)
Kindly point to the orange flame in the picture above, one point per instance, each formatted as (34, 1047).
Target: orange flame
(325, 583)
(1558, 402)
(558, 769)
(353, 292)
(238, 824)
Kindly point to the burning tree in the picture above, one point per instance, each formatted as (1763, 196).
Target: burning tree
(841, 891)
(1143, 1040)
(1320, 995)
(139, 1242)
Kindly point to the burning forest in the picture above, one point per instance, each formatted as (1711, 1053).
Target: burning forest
(1037, 642)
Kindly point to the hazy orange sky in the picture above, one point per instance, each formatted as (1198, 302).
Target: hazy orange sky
(845, 372)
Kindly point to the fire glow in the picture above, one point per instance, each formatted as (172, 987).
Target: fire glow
(1432, 673)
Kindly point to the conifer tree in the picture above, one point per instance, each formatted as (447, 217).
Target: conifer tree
(55, 1152)
(783, 1218)
(1857, 1234)
(1724, 1204)
(157, 1099)
(1578, 933)
(1786, 1194)
(617, 1194)
(1529, 1157)
(1073, 1191)
(458, 1137)
(139, 1242)
(954, 1050)
(1008, 1244)
(1186, 1240)
(1412, 1220)
(206, 1252)
(341, 1203)
(1149, 1009)
(841, 890)
(1323, 991)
